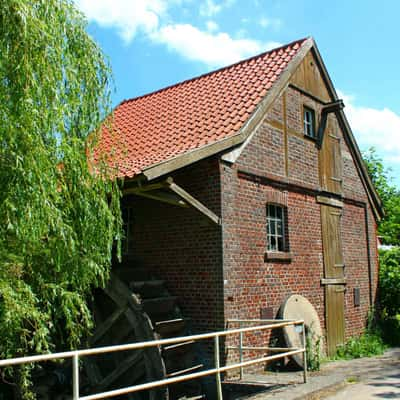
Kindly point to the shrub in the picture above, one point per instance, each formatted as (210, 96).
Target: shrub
(389, 282)
(368, 344)
(313, 348)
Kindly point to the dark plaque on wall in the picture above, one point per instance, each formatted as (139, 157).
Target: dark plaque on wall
(356, 297)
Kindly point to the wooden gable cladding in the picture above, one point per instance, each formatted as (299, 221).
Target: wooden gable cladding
(331, 158)
(308, 78)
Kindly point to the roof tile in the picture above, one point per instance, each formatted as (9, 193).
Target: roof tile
(172, 121)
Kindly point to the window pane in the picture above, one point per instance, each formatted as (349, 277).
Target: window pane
(271, 211)
(272, 226)
(279, 228)
(309, 122)
(280, 244)
(279, 212)
(273, 243)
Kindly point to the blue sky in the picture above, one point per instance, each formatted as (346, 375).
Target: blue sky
(155, 43)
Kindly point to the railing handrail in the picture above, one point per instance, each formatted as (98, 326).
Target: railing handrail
(140, 345)
(75, 354)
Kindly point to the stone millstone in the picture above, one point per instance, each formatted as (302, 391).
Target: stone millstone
(298, 307)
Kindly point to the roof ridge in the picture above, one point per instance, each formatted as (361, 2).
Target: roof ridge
(302, 40)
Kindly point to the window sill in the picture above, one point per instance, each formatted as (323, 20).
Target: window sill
(281, 256)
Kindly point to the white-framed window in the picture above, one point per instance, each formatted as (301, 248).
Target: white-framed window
(275, 227)
(309, 122)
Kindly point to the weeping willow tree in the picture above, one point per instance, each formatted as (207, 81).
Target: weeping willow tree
(59, 211)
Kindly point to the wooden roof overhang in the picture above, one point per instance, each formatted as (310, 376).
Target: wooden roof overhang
(167, 191)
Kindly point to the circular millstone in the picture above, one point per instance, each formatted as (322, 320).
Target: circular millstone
(298, 307)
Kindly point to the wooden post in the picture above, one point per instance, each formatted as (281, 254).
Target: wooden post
(217, 365)
(304, 354)
(75, 377)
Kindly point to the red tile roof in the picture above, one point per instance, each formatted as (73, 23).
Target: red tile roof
(162, 125)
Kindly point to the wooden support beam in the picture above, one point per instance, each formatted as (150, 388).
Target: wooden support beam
(164, 197)
(333, 281)
(178, 197)
(192, 201)
(334, 106)
(330, 201)
(144, 188)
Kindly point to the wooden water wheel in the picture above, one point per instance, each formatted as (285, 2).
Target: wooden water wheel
(136, 307)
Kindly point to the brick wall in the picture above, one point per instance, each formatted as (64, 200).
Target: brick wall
(181, 246)
(251, 283)
(184, 248)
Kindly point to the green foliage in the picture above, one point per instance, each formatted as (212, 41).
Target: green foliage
(389, 281)
(390, 328)
(389, 227)
(313, 351)
(367, 345)
(59, 215)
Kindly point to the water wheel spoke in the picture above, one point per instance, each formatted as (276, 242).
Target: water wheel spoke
(180, 348)
(172, 327)
(123, 366)
(185, 371)
(135, 307)
(106, 325)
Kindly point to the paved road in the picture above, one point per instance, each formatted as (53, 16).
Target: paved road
(384, 384)
(361, 379)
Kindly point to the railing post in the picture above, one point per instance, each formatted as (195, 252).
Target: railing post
(304, 353)
(241, 350)
(75, 376)
(217, 365)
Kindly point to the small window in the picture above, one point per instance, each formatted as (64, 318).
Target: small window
(275, 228)
(309, 123)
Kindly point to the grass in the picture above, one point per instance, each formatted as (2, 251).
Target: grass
(352, 379)
(368, 344)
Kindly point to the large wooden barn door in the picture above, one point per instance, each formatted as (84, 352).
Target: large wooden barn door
(334, 278)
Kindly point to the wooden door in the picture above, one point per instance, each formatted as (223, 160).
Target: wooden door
(334, 279)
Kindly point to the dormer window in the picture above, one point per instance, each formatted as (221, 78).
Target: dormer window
(309, 123)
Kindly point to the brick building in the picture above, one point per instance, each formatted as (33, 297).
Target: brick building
(245, 185)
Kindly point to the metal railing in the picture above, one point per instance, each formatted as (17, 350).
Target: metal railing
(217, 370)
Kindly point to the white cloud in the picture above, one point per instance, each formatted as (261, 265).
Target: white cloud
(265, 22)
(374, 127)
(212, 26)
(127, 16)
(149, 17)
(212, 49)
(210, 8)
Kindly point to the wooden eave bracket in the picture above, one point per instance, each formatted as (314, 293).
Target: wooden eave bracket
(169, 192)
(334, 106)
(157, 191)
(192, 201)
